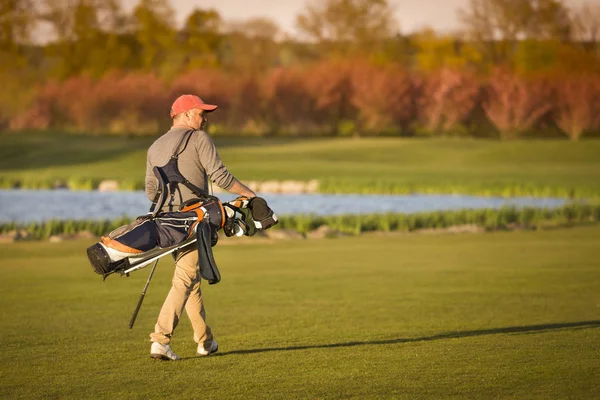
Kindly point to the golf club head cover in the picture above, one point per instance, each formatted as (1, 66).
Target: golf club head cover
(206, 261)
(247, 216)
(263, 216)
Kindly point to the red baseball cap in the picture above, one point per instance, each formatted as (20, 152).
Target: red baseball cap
(188, 102)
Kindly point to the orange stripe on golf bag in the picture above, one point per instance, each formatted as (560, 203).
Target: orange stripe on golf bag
(112, 243)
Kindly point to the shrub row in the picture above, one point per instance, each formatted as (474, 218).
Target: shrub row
(43, 230)
(481, 189)
(489, 219)
(334, 97)
(72, 184)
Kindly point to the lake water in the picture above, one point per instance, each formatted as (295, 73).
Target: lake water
(39, 205)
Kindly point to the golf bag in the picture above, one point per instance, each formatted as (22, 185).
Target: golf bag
(150, 237)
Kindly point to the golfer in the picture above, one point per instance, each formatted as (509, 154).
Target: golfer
(198, 162)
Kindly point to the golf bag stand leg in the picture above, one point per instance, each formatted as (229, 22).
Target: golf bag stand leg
(139, 304)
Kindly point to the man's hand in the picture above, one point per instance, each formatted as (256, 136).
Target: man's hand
(242, 190)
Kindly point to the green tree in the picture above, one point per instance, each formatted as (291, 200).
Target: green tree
(17, 20)
(348, 26)
(497, 26)
(152, 24)
(85, 35)
(201, 38)
(551, 20)
(435, 51)
(88, 36)
(586, 25)
(251, 45)
(58, 16)
(117, 50)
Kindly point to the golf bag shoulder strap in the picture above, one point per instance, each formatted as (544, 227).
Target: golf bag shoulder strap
(184, 138)
(169, 177)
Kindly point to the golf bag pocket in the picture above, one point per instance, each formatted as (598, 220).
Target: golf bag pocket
(139, 236)
(175, 227)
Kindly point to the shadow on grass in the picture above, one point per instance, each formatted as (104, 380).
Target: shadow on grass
(451, 335)
(39, 150)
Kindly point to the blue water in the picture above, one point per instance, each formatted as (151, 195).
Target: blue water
(40, 205)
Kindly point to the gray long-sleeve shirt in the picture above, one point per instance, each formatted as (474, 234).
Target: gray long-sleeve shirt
(198, 162)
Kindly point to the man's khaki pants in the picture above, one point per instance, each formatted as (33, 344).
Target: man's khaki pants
(185, 293)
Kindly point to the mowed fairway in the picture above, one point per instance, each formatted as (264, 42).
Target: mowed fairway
(506, 314)
(342, 165)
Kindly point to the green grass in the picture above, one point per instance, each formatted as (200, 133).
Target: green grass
(499, 315)
(392, 165)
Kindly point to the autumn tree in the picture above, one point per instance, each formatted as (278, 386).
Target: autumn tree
(448, 99)
(329, 84)
(385, 97)
(515, 104)
(212, 85)
(578, 104)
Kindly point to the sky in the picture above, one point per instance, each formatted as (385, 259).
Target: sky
(411, 14)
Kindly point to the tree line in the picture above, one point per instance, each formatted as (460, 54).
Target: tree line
(93, 54)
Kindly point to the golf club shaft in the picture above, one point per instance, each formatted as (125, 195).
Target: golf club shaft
(139, 304)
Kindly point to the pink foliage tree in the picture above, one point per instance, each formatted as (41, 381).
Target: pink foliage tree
(578, 104)
(385, 96)
(129, 103)
(43, 113)
(515, 104)
(287, 99)
(329, 83)
(239, 96)
(145, 107)
(213, 86)
(448, 99)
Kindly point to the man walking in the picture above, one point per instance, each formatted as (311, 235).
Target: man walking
(198, 161)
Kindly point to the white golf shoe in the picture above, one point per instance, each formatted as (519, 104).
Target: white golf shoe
(162, 352)
(212, 349)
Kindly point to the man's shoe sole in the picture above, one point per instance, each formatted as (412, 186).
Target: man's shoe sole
(212, 352)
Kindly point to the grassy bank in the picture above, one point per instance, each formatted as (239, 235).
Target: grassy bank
(367, 165)
(504, 315)
(505, 218)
